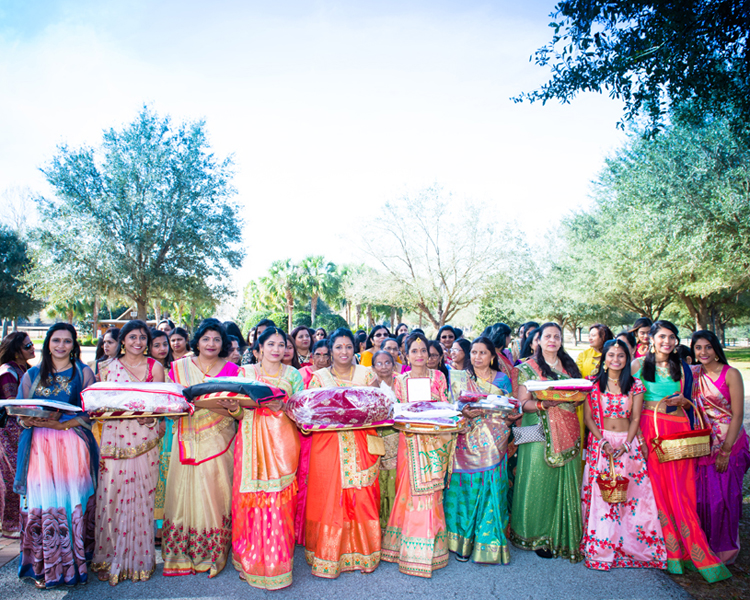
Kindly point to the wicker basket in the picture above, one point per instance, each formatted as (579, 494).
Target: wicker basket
(686, 444)
(557, 395)
(614, 487)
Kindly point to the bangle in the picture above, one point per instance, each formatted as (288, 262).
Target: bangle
(627, 446)
(724, 452)
(540, 405)
(236, 412)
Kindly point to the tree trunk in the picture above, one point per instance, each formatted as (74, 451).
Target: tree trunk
(95, 324)
(192, 319)
(370, 320)
(359, 315)
(15, 325)
(394, 316)
(157, 311)
(5, 327)
(289, 309)
(313, 309)
(141, 308)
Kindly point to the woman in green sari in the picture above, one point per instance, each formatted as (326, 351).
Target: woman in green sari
(476, 506)
(547, 517)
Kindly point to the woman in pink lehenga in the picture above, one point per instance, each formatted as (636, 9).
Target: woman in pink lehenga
(720, 393)
(129, 472)
(627, 534)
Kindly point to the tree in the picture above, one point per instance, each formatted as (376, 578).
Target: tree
(318, 278)
(284, 277)
(651, 55)
(146, 215)
(14, 261)
(437, 251)
(670, 221)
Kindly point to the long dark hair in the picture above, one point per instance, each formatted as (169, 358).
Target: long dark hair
(47, 367)
(568, 364)
(11, 346)
(211, 325)
(115, 333)
(158, 333)
(625, 380)
(498, 333)
(604, 332)
(441, 366)
(233, 329)
(641, 322)
(494, 361)
(712, 339)
(523, 331)
(295, 354)
(373, 331)
(527, 342)
(466, 348)
(648, 370)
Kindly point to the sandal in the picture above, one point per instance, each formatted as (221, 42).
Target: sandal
(39, 584)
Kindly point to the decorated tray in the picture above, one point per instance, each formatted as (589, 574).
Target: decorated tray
(564, 390)
(32, 411)
(340, 408)
(427, 417)
(128, 400)
(502, 405)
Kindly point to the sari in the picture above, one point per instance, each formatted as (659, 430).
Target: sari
(342, 527)
(197, 532)
(10, 502)
(264, 491)
(674, 485)
(128, 471)
(56, 477)
(476, 501)
(416, 536)
(303, 469)
(720, 494)
(547, 492)
(388, 462)
(165, 455)
(627, 534)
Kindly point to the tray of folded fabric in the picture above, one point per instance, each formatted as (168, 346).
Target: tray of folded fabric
(562, 390)
(134, 399)
(249, 394)
(39, 409)
(427, 417)
(340, 409)
(488, 403)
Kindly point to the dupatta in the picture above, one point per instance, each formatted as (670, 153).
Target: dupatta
(562, 431)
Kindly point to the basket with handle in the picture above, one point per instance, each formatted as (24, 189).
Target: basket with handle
(614, 487)
(685, 444)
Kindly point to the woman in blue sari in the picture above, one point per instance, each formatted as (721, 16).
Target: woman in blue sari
(57, 468)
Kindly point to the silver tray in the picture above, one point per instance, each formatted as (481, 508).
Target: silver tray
(39, 413)
(490, 408)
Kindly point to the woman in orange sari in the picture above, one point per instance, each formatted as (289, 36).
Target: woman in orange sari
(342, 530)
(264, 494)
(416, 536)
(197, 532)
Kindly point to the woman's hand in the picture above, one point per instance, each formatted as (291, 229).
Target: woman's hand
(147, 421)
(512, 419)
(619, 452)
(46, 423)
(722, 461)
(231, 404)
(607, 449)
(471, 413)
(677, 400)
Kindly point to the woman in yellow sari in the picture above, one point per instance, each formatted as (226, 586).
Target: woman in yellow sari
(264, 493)
(197, 531)
(415, 537)
(342, 530)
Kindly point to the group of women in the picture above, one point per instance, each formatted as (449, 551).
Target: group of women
(248, 481)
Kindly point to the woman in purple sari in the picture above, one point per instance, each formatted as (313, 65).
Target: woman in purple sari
(720, 394)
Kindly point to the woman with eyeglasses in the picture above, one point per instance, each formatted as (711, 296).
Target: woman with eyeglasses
(16, 351)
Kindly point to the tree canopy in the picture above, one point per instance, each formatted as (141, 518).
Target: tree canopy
(654, 56)
(144, 216)
(14, 261)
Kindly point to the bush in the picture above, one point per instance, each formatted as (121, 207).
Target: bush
(330, 322)
(301, 318)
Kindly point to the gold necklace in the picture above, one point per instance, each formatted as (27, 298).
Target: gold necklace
(487, 379)
(340, 381)
(266, 374)
(205, 371)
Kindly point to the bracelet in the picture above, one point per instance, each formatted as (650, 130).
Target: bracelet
(236, 412)
(724, 452)
(540, 405)
(603, 441)
(627, 446)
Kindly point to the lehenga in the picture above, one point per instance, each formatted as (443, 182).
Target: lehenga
(197, 532)
(720, 494)
(56, 477)
(264, 491)
(547, 493)
(627, 534)
(128, 473)
(416, 536)
(476, 501)
(674, 485)
(342, 526)
(10, 502)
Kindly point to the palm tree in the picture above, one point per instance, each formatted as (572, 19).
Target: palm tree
(284, 276)
(318, 279)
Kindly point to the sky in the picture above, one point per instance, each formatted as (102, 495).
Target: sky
(328, 108)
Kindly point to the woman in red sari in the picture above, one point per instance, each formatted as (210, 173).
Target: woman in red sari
(720, 393)
(673, 482)
(342, 530)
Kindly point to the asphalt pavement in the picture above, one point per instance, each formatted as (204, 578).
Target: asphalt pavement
(527, 577)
